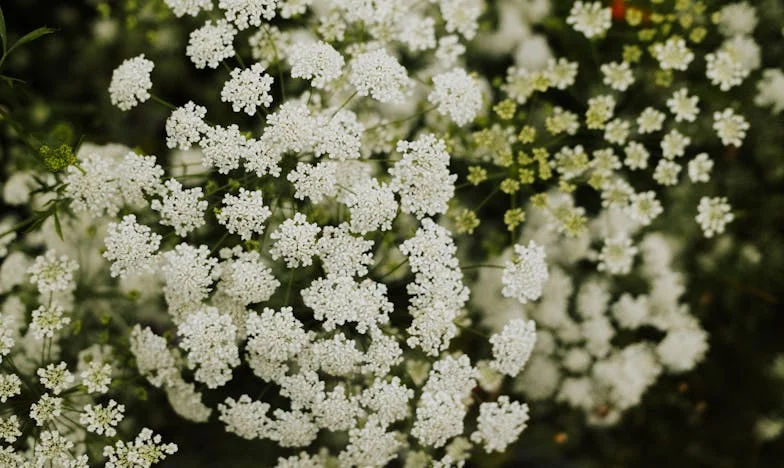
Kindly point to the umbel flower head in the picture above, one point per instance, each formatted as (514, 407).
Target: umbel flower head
(131, 82)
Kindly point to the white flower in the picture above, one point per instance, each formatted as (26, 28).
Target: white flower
(245, 417)
(674, 144)
(102, 420)
(644, 207)
(513, 346)
(273, 339)
(713, 214)
(186, 401)
(211, 44)
(592, 19)
(725, 70)
(737, 19)
(295, 241)
(370, 446)
(245, 13)
(225, 147)
(337, 301)
(153, 358)
(617, 255)
(248, 89)
(55, 377)
(683, 348)
(131, 83)
(146, 450)
(97, 377)
(48, 320)
(700, 168)
(46, 409)
(372, 206)
(131, 247)
(188, 7)
(673, 54)
(562, 121)
(461, 16)
(10, 386)
(618, 76)
(524, 277)
(247, 280)
(422, 177)
(600, 110)
(730, 127)
(683, 106)
(561, 73)
(94, 186)
(636, 155)
(188, 272)
(379, 75)
(500, 423)
(316, 61)
(616, 131)
(314, 181)
(210, 339)
(417, 32)
(387, 400)
(137, 176)
(185, 126)
(9, 430)
(650, 120)
(770, 90)
(181, 209)
(244, 214)
(457, 95)
(51, 273)
(666, 172)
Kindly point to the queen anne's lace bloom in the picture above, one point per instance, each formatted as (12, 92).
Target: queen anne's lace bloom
(211, 44)
(379, 75)
(730, 127)
(525, 276)
(188, 7)
(246, 13)
(210, 339)
(673, 54)
(295, 241)
(713, 214)
(244, 214)
(457, 95)
(372, 206)
(512, 347)
(131, 83)
(248, 89)
(185, 126)
(181, 209)
(422, 177)
(102, 420)
(500, 423)
(131, 247)
(592, 19)
(318, 62)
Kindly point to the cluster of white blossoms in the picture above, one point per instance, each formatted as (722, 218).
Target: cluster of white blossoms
(58, 391)
(576, 358)
(311, 283)
(286, 260)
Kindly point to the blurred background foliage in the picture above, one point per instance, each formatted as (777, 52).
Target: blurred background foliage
(716, 416)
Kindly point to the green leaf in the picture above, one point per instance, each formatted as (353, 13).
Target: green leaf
(3, 36)
(57, 228)
(29, 37)
(9, 80)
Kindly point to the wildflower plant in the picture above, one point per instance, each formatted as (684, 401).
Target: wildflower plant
(383, 229)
